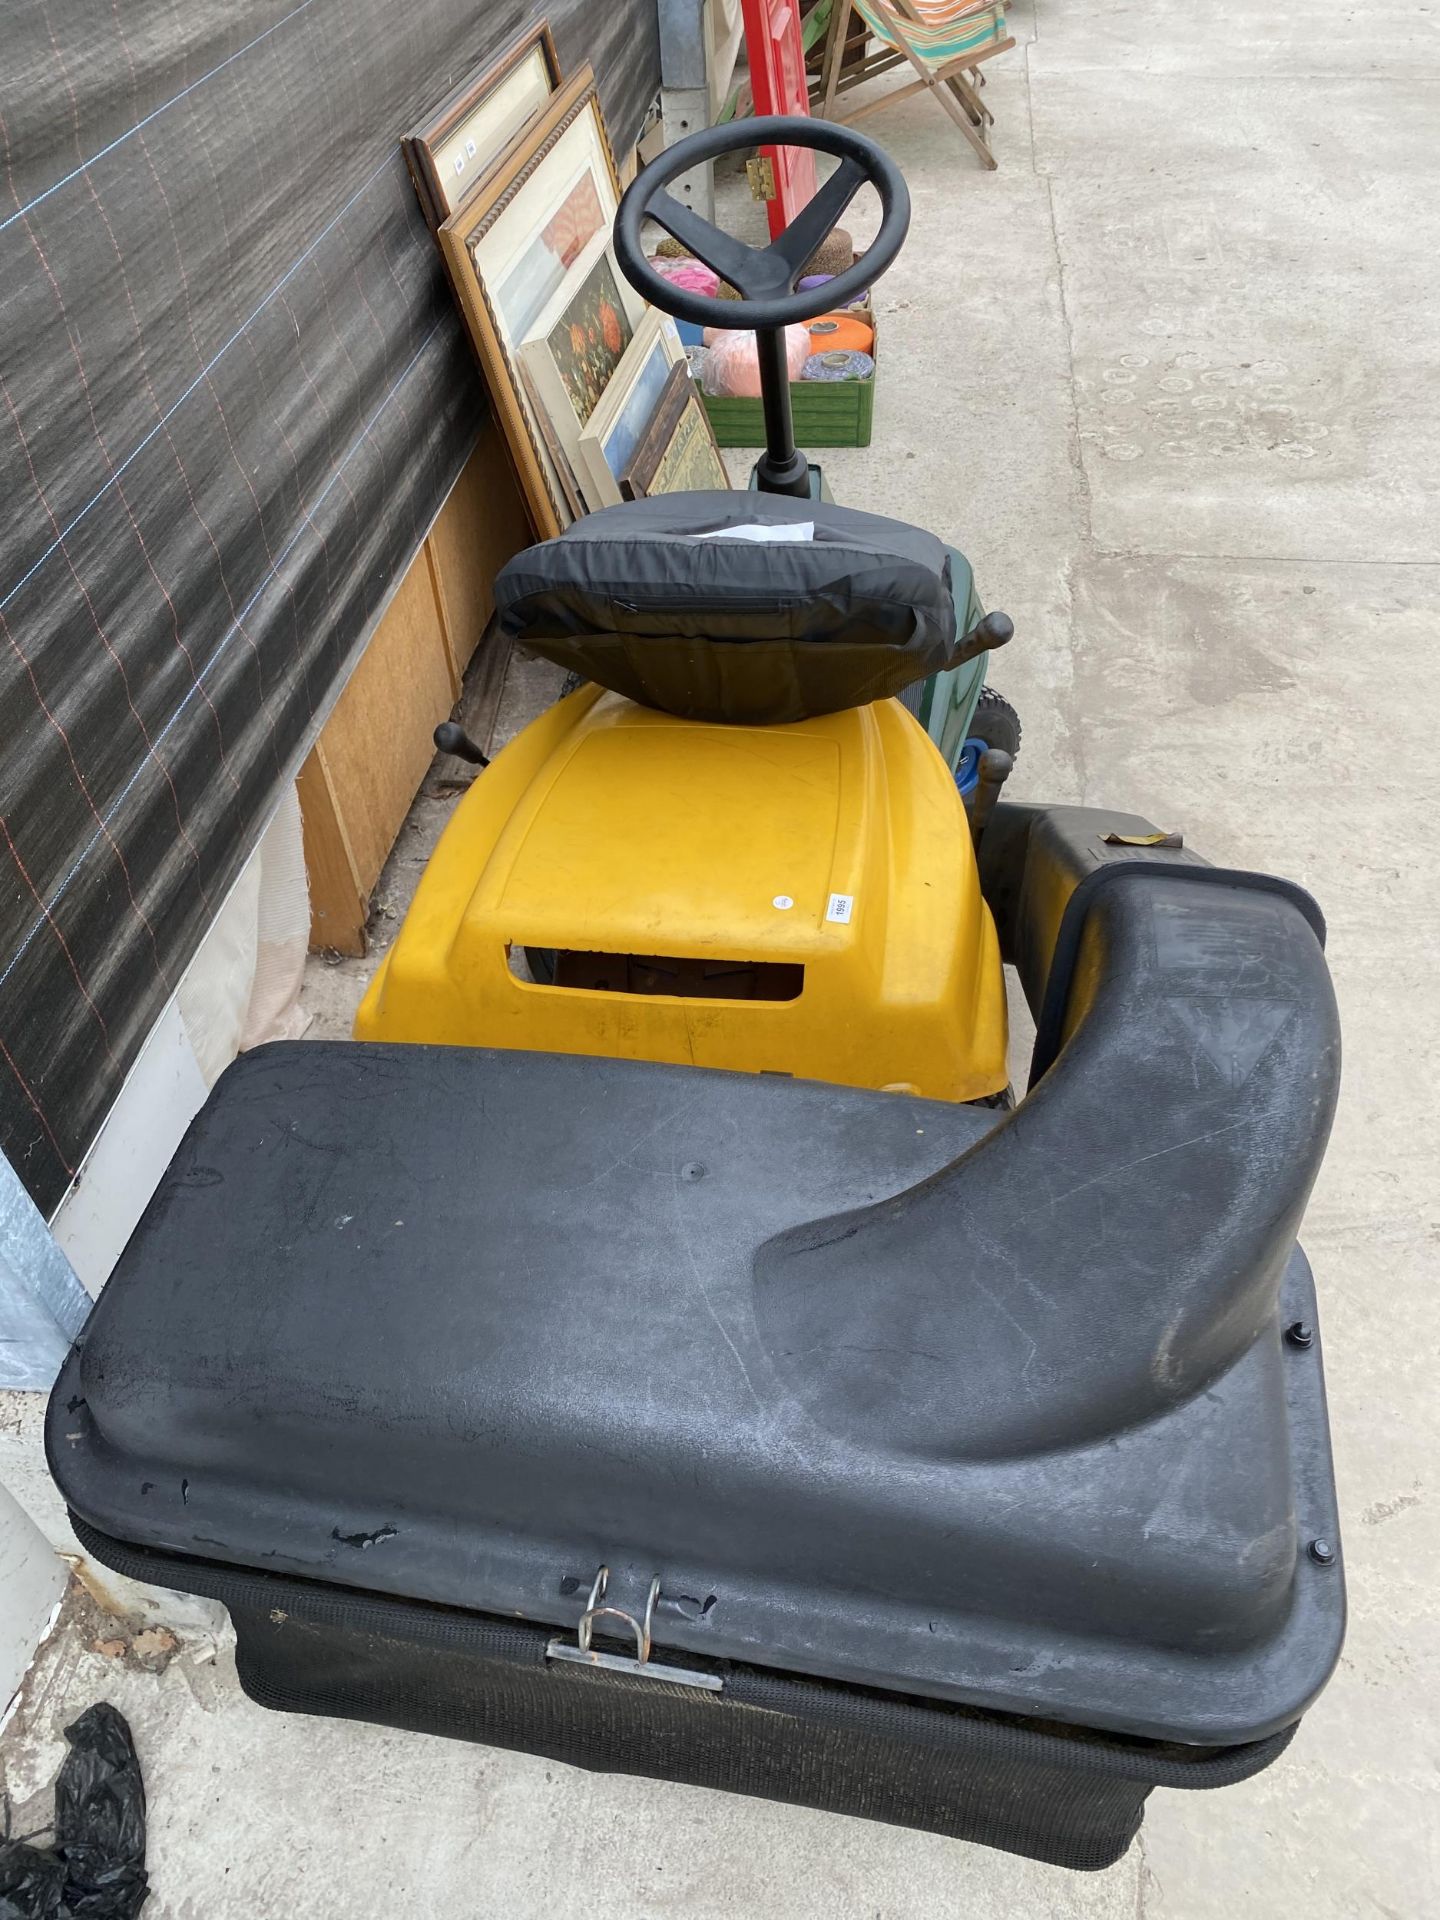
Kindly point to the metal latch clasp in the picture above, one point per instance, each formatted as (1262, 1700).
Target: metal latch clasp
(582, 1652)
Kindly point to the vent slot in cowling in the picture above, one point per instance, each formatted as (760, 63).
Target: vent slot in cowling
(680, 977)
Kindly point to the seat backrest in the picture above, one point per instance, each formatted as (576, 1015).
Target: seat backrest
(751, 608)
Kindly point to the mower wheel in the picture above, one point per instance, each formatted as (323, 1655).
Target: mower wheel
(995, 722)
(541, 962)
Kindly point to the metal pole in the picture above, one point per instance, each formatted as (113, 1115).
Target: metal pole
(781, 468)
(685, 94)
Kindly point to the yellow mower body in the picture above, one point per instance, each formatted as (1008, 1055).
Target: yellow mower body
(792, 899)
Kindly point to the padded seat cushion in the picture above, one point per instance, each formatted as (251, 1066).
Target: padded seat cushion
(645, 600)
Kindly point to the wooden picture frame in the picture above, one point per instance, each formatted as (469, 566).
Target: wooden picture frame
(560, 462)
(567, 375)
(508, 248)
(453, 148)
(609, 440)
(677, 452)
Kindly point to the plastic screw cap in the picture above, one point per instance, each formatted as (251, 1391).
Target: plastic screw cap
(1322, 1553)
(1300, 1333)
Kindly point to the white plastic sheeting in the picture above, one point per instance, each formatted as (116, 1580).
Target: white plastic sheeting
(282, 932)
(242, 987)
(32, 1581)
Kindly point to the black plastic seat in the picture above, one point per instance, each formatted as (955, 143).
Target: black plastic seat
(646, 600)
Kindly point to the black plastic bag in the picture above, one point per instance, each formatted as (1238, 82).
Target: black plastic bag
(95, 1867)
(32, 1882)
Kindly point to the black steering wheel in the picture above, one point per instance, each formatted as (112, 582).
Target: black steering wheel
(764, 277)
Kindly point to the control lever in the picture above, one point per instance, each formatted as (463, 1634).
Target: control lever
(988, 635)
(995, 766)
(451, 737)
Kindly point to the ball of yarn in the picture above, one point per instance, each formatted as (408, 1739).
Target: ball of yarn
(838, 364)
(733, 366)
(813, 280)
(687, 272)
(843, 331)
(835, 253)
(797, 349)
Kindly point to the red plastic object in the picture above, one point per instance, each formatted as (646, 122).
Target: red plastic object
(777, 78)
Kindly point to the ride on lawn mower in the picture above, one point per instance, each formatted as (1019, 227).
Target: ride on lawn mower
(689, 1363)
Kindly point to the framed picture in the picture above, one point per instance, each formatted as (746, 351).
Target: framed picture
(452, 149)
(677, 451)
(561, 466)
(579, 342)
(609, 442)
(509, 249)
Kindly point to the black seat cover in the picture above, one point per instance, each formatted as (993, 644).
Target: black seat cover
(639, 599)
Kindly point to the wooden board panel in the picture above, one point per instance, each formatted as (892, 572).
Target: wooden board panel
(377, 741)
(371, 756)
(480, 526)
(337, 900)
(375, 749)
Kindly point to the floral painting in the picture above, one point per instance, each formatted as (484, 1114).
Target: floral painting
(587, 341)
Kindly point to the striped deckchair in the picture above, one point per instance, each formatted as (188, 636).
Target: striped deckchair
(943, 40)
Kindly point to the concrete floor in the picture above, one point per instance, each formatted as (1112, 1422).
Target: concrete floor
(1169, 377)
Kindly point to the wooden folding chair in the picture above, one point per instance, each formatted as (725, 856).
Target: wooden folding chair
(943, 40)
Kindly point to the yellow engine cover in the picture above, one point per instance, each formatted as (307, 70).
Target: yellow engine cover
(836, 845)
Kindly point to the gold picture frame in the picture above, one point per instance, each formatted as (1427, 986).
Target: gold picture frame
(453, 148)
(509, 247)
(678, 452)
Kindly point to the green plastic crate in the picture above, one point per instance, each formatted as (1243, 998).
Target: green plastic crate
(827, 413)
